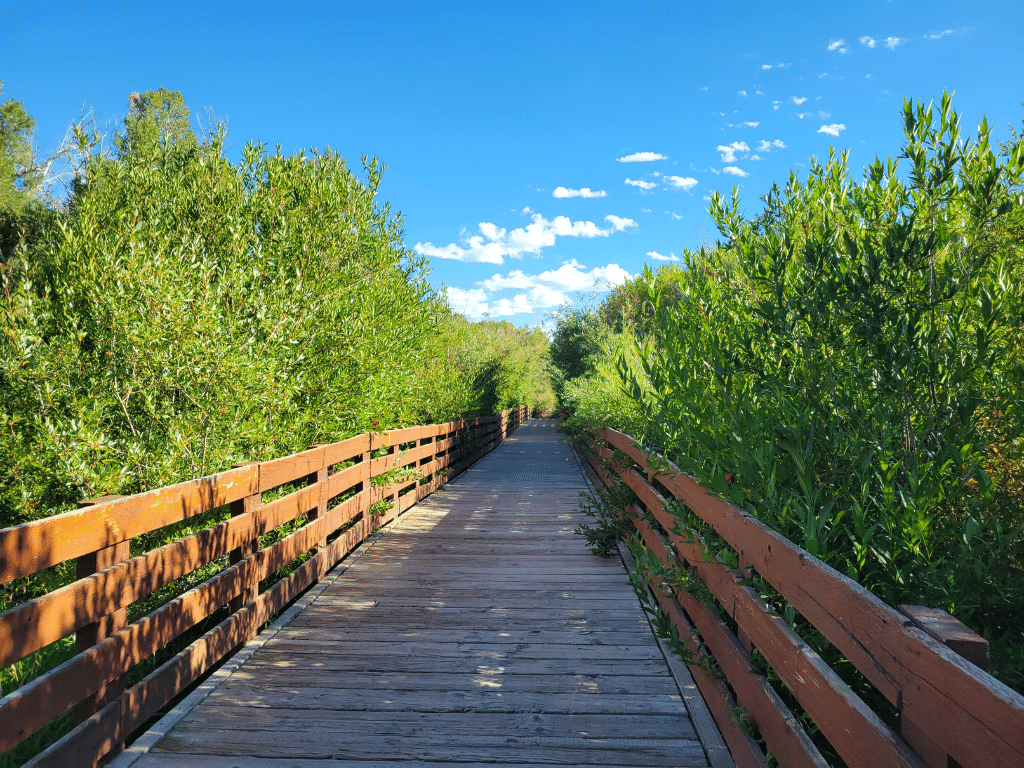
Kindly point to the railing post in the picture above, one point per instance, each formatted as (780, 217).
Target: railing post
(319, 478)
(110, 624)
(238, 554)
(953, 634)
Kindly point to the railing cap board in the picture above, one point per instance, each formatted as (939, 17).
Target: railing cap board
(951, 632)
(347, 449)
(288, 469)
(32, 547)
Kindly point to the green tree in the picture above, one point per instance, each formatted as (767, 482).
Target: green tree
(576, 344)
(22, 217)
(189, 313)
(834, 357)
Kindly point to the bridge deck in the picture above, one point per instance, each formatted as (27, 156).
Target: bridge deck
(477, 629)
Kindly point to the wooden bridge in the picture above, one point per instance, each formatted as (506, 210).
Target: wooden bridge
(474, 629)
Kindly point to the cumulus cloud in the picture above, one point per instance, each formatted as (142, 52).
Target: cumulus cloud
(939, 35)
(776, 105)
(732, 170)
(798, 100)
(868, 41)
(619, 223)
(768, 146)
(741, 93)
(838, 45)
(494, 243)
(658, 257)
(729, 150)
(533, 293)
(892, 42)
(641, 157)
(644, 185)
(681, 182)
(766, 66)
(562, 192)
(750, 124)
(802, 115)
(833, 129)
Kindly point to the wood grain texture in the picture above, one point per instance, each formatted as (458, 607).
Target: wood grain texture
(477, 629)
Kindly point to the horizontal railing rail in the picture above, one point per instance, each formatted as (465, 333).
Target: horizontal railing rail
(949, 708)
(340, 505)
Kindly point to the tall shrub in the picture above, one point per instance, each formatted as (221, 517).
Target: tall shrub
(189, 312)
(828, 361)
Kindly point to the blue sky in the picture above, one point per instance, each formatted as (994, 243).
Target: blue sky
(539, 152)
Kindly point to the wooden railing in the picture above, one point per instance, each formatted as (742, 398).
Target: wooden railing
(339, 502)
(951, 712)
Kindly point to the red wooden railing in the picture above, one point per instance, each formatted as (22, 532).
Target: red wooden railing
(951, 712)
(108, 580)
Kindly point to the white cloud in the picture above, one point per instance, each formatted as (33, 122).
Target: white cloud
(681, 182)
(658, 257)
(526, 210)
(768, 146)
(533, 292)
(868, 41)
(618, 223)
(802, 115)
(644, 185)
(939, 35)
(729, 150)
(776, 105)
(754, 157)
(494, 243)
(732, 170)
(703, 87)
(833, 129)
(798, 100)
(571, 276)
(645, 210)
(675, 216)
(749, 124)
(641, 157)
(837, 45)
(766, 66)
(892, 42)
(741, 93)
(562, 192)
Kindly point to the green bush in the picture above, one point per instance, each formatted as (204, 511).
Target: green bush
(835, 366)
(188, 313)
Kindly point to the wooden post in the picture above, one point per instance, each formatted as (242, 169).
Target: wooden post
(953, 634)
(746, 569)
(110, 624)
(247, 548)
(319, 478)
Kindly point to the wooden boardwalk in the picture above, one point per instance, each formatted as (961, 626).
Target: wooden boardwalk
(477, 629)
